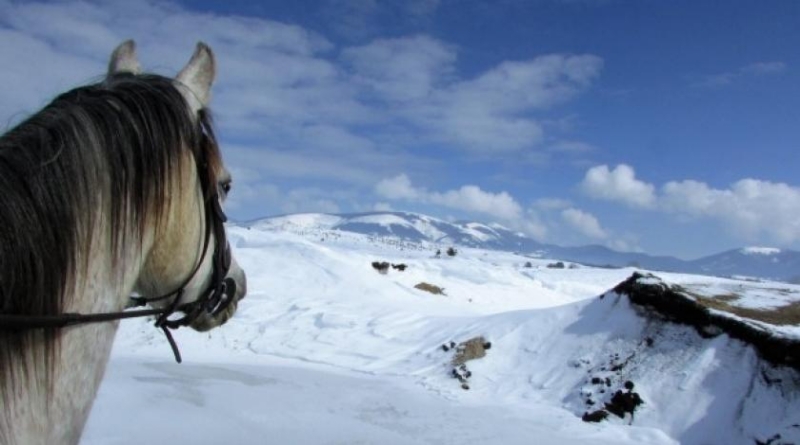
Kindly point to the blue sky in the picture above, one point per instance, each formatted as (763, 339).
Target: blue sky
(669, 127)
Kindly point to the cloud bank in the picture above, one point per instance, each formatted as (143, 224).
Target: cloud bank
(295, 105)
(749, 208)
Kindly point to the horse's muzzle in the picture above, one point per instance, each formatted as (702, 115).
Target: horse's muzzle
(210, 319)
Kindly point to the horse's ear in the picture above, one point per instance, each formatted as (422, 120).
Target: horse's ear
(198, 75)
(123, 59)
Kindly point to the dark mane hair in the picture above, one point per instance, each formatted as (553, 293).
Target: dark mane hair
(107, 149)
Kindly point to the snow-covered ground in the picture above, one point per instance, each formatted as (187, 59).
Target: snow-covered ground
(326, 350)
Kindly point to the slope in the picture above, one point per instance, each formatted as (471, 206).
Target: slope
(763, 263)
(317, 307)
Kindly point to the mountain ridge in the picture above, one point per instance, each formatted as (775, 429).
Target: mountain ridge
(754, 262)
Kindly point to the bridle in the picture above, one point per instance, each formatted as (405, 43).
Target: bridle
(214, 299)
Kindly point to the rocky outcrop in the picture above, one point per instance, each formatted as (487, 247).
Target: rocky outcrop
(676, 305)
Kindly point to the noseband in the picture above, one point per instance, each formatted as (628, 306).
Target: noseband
(213, 300)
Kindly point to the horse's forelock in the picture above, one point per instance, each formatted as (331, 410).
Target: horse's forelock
(207, 152)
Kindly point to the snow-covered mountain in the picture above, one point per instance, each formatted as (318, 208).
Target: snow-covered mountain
(326, 350)
(410, 227)
(756, 262)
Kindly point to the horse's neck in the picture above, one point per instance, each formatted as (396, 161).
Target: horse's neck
(56, 414)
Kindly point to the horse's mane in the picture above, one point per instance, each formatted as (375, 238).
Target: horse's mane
(107, 149)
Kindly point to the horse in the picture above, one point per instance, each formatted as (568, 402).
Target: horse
(112, 191)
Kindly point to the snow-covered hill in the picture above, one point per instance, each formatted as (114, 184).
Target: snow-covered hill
(410, 227)
(327, 350)
(755, 262)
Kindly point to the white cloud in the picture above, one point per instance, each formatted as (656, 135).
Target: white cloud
(491, 113)
(275, 79)
(402, 69)
(749, 207)
(468, 198)
(534, 226)
(618, 184)
(268, 71)
(624, 245)
(471, 198)
(536, 83)
(289, 104)
(399, 187)
(584, 222)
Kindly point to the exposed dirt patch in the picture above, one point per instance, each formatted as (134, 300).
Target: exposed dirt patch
(779, 316)
(427, 287)
(471, 349)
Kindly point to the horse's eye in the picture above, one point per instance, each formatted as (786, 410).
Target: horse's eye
(226, 187)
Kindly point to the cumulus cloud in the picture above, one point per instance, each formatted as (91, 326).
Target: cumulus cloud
(750, 208)
(584, 222)
(468, 198)
(618, 184)
(472, 199)
(399, 187)
(534, 226)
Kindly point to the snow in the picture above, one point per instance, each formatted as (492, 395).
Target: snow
(298, 222)
(279, 403)
(760, 251)
(425, 226)
(480, 232)
(325, 350)
(385, 220)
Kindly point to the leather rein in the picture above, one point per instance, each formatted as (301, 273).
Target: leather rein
(215, 299)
